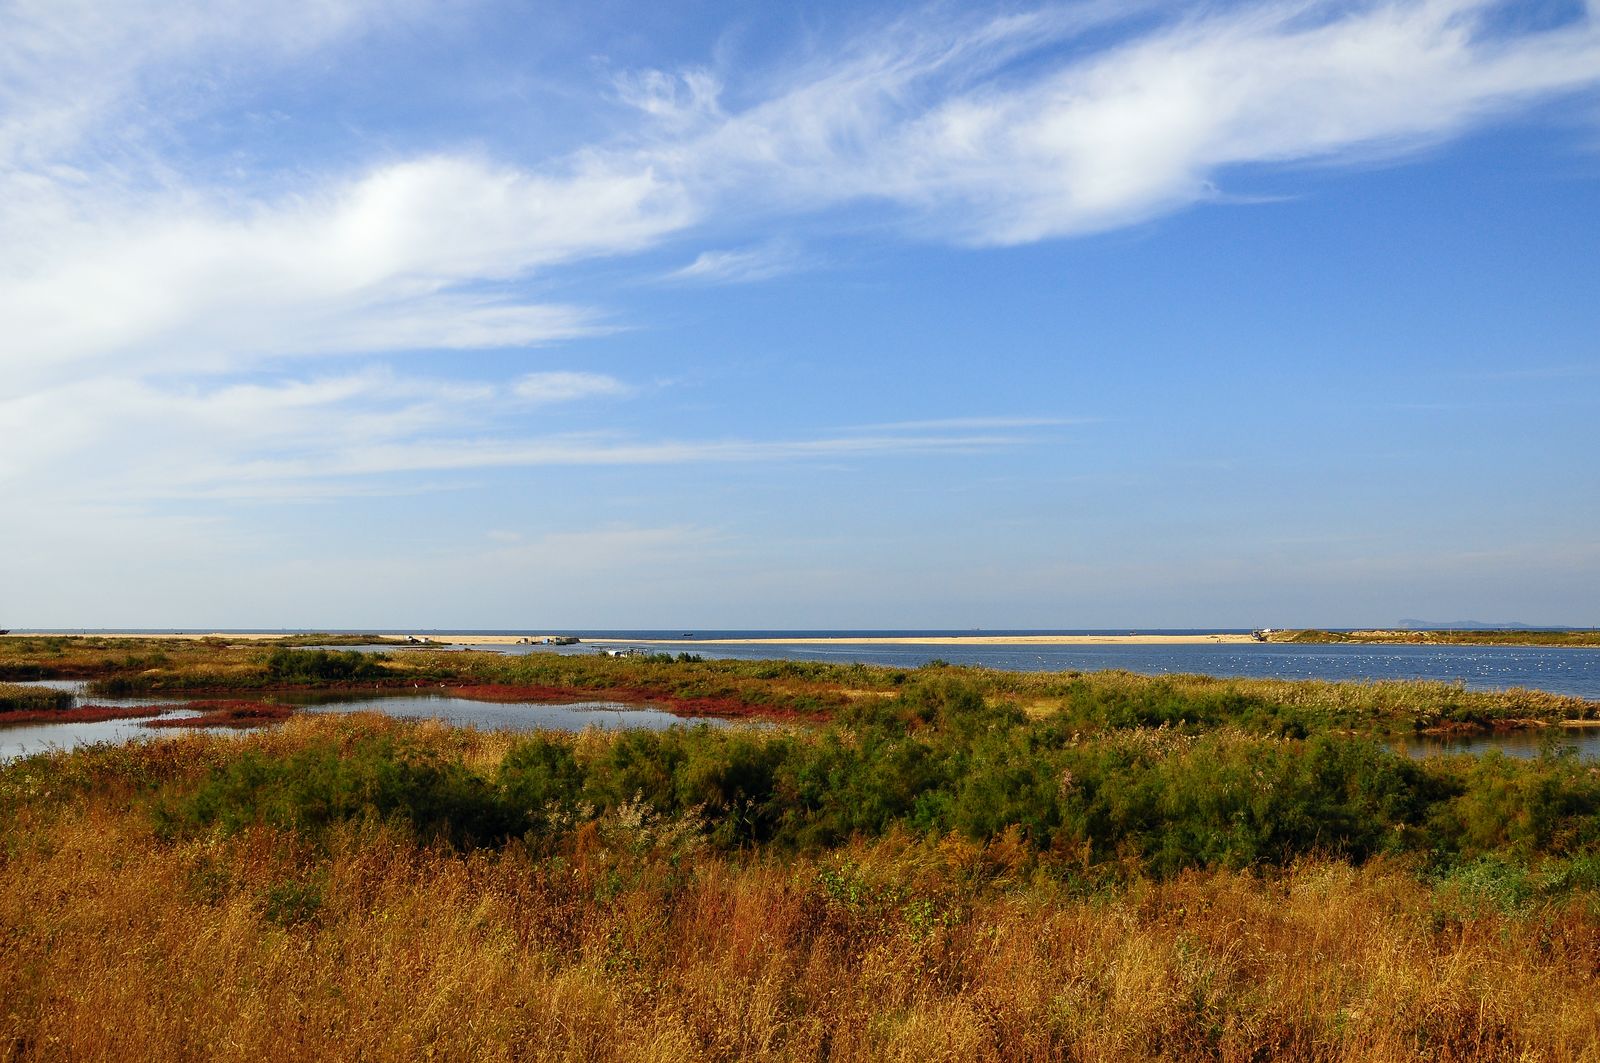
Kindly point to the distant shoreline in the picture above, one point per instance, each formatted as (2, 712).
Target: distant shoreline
(840, 640)
(1308, 637)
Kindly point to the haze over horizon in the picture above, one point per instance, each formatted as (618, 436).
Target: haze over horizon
(891, 316)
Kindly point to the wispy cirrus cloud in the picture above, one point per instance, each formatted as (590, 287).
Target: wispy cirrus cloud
(998, 132)
(325, 437)
(602, 450)
(279, 476)
(77, 71)
(145, 432)
(677, 100)
(741, 266)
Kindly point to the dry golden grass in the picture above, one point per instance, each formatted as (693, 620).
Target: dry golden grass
(633, 942)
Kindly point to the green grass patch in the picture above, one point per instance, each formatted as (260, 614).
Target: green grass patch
(16, 698)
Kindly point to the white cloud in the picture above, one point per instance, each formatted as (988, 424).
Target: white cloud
(677, 100)
(380, 263)
(942, 120)
(739, 267)
(566, 386)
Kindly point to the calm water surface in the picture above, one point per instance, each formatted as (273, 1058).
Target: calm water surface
(26, 739)
(29, 738)
(1557, 669)
(505, 716)
(1581, 742)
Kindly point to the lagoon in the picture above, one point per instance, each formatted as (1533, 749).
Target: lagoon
(27, 739)
(1555, 669)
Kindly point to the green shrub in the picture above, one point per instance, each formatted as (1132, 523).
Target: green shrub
(940, 759)
(539, 780)
(322, 785)
(306, 666)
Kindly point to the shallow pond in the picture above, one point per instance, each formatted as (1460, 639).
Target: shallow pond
(502, 715)
(24, 739)
(1582, 742)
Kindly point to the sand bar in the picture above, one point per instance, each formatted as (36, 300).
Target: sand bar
(847, 640)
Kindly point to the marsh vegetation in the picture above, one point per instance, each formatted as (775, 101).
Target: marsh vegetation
(17, 698)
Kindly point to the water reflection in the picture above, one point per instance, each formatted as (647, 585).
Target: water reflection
(499, 715)
(1556, 669)
(25, 739)
(1582, 742)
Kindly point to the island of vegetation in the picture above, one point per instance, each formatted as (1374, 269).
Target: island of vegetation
(871, 863)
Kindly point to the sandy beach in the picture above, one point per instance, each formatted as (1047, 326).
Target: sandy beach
(862, 640)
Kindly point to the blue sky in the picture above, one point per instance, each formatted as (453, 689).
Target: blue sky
(493, 315)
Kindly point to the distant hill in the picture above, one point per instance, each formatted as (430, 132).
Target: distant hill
(1476, 625)
(1463, 633)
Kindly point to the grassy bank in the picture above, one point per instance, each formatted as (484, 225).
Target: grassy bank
(959, 883)
(24, 699)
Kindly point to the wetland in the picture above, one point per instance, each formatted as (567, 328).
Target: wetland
(856, 862)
